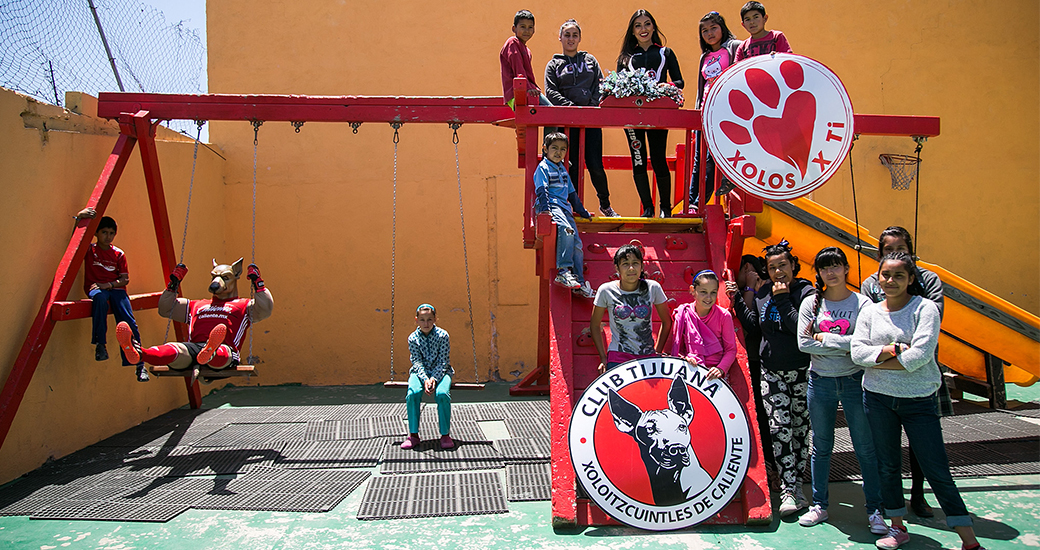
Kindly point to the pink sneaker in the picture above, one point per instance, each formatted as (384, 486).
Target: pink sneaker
(412, 441)
(446, 442)
(896, 538)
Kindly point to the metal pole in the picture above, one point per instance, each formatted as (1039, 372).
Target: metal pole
(108, 51)
(54, 85)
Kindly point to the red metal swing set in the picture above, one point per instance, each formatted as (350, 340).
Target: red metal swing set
(709, 237)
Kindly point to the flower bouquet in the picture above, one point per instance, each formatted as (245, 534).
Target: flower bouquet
(637, 89)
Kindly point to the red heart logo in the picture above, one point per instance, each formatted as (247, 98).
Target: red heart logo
(789, 138)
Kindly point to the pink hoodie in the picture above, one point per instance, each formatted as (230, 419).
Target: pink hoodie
(710, 341)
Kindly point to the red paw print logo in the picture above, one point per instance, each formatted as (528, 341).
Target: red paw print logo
(779, 125)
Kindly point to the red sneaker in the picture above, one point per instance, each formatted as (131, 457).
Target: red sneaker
(216, 337)
(125, 337)
(446, 442)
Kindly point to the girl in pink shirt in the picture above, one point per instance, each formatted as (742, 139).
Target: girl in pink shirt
(702, 331)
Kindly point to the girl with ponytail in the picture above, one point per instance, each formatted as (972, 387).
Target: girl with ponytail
(826, 323)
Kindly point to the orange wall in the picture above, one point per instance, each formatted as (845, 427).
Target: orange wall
(325, 195)
(48, 176)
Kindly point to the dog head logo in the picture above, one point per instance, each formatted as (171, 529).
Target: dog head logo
(780, 125)
(225, 280)
(658, 446)
(663, 437)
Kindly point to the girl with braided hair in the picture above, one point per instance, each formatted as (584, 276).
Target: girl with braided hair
(784, 368)
(825, 326)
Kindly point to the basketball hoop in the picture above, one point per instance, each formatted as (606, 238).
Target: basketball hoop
(903, 169)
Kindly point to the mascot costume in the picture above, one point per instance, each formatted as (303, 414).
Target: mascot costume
(216, 327)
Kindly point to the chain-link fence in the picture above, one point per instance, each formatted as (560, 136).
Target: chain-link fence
(48, 47)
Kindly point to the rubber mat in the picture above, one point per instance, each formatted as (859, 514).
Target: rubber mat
(528, 482)
(253, 435)
(462, 430)
(189, 461)
(429, 457)
(363, 453)
(114, 511)
(522, 451)
(431, 495)
(291, 495)
(477, 411)
(527, 428)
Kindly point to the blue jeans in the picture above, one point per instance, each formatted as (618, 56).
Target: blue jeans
(119, 302)
(569, 253)
(824, 394)
(413, 400)
(919, 417)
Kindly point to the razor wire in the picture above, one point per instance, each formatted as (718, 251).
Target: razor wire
(49, 47)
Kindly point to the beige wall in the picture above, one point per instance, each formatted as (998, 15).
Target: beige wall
(48, 175)
(324, 204)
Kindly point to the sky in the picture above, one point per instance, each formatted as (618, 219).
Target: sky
(192, 12)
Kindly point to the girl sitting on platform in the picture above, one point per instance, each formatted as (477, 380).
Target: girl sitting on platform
(629, 300)
(431, 372)
(895, 340)
(702, 331)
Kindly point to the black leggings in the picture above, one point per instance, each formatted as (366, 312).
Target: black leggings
(593, 161)
(654, 141)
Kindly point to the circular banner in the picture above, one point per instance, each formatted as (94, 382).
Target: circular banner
(657, 445)
(778, 125)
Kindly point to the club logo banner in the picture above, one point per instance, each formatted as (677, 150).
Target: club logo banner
(778, 125)
(657, 445)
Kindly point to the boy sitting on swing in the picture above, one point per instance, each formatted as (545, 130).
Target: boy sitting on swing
(431, 372)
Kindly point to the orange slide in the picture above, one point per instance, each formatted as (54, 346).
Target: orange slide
(975, 322)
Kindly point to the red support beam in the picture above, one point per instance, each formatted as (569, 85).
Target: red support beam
(81, 309)
(478, 110)
(145, 130)
(39, 334)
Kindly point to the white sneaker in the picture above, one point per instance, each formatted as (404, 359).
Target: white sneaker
(788, 504)
(816, 514)
(585, 290)
(877, 523)
(608, 212)
(566, 279)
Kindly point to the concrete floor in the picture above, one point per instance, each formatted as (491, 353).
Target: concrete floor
(1007, 510)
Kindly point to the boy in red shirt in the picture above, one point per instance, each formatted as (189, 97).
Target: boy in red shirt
(105, 276)
(515, 58)
(753, 18)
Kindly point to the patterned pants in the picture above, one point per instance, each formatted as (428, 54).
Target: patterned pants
(784, 397)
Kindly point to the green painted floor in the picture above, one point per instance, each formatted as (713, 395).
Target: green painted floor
(1007, 510)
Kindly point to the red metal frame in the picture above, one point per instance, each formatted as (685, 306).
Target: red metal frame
(724, 222)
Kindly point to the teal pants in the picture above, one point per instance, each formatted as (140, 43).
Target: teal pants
(413, 400)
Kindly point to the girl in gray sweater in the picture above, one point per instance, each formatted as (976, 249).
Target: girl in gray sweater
(825, 326)
(895, 340)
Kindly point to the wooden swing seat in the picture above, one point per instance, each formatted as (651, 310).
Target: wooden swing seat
(454, 385)
(206, 372)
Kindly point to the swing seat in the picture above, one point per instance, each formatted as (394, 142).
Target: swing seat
(81, 309)
(454, 385)
(206, 372)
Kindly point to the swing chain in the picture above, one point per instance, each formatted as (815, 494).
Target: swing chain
(354, 126)
(465, 255)
(187, 210)
(393, 250)
(252, 291)
(256, 132)
(297, 124)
